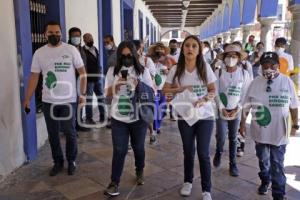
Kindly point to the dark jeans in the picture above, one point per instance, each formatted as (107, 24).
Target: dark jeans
(120, 137)
(271, 166)
(97, 88)
(231, 127)
(160, 107)
(201, 131)
(66, 111)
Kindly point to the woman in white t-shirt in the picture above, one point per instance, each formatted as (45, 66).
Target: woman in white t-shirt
(232, 83)
(120, 84)
(192, 82)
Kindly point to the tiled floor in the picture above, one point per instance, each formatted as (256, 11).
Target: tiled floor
(164, 173)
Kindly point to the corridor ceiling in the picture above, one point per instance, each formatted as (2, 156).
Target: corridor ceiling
(169, 12)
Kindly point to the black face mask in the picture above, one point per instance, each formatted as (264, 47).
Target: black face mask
(173, 50)
(158, 55)
(127, 61)
(90, 44)
(54, 39)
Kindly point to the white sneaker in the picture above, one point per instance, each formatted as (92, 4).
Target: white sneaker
(206, 196)
(186, 189)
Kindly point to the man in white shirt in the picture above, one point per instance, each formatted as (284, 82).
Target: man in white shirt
(271, 98)
(286, 63)
(174, 50)
(57, 61)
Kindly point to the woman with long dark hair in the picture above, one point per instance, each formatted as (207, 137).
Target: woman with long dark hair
(120, 84)
(194, 78)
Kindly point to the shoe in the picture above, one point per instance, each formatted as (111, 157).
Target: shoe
(90, 121)
(263, 188)
(186, 189)
(140, 178)
(239, 152)
(82, 129)
(279, 198)
(56, 169)
(71, 168)
(206, 196)
(153, 140)
(112, 190)
(233, 170)
(217, 159)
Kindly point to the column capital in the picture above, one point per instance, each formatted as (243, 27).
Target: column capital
(226, 34)
(247, 27)
(235, 31)
(294, 8)
(266, 20)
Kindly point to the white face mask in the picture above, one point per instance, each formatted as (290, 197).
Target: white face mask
(205, 50)
(279, 50)
(76, 41)
(108, 47)
(231, 62)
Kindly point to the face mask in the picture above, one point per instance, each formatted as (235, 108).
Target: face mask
(173, 50)
(270, 73)
(53, 39)
(158, 54)
(108, 47)
(90, 44)
(75, 41)
(127, 61)
(279, 50)
(205, 50)
(231, 62)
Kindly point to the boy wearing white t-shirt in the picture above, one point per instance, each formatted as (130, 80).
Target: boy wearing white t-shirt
(58, 62)
(271, 98)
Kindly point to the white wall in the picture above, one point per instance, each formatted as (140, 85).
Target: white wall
(11, 136)
(140, 5)
(84, 15)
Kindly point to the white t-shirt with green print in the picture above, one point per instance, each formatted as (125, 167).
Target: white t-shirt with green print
(199, 90)
(58, 68)
(270, 110)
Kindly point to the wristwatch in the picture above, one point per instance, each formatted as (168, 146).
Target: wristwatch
(295, 127)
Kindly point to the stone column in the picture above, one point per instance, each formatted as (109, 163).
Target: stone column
(234, 34)
(226, 37)
(246, 32)
(266, 35)
(295, 43)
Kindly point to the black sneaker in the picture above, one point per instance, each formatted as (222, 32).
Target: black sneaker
(90, 121)
(71, 168)
(153, 139)
(263, 188)
(233, 170)
(82, 129)
(140, 178)
(217, 159)
(56, 169)
(112, 190)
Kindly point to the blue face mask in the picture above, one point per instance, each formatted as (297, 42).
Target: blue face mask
(76, 41)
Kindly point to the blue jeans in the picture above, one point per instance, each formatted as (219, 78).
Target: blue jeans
(67, 126)
(271, 166)
(121, 132)
(160, 109)
(230, 126)
(201, 131)
(97, 88)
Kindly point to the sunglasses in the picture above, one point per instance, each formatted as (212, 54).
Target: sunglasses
(269, 89)
(127, 56)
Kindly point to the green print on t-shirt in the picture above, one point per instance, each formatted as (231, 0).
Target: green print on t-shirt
(263, 116)
(234, 91)
(62, 66)
(124, 105)
(158, 79)
(278, 100)
(51, 80)
(200, 90)
(223, 99)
